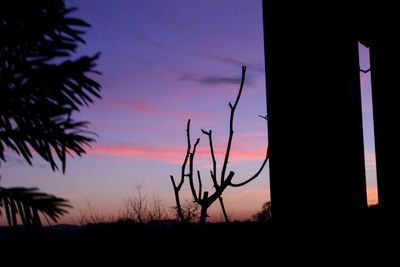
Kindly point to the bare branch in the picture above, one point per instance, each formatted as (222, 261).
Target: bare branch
(205, 195)
(196, 199)
(214, 162)
(241, 86)
(203, 199)
(178, 187)
(264, 117)
(217, 193)
(173, 181)
(214, 171)
(139, 205)
(214, 179)
(156, 211)
(186, 156)
(205, 132)
(255, 175)
(177, 200)
(221, 202)
(200, 184)
(233, 109)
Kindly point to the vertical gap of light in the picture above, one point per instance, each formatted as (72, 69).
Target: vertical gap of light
(368, 125)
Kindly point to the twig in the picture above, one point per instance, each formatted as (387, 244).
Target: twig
(255, 175)
(178, 187)
(214, 162)
(196, 199)
(200, 184)
(233, 109)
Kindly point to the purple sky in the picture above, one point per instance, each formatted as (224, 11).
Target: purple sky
(162, 63)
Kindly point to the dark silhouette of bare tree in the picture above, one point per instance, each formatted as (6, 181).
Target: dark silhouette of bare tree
(265, 214)
(178, 187)
(40, 88)
(205, 199)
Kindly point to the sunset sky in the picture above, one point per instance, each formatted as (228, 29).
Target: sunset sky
(163, 62)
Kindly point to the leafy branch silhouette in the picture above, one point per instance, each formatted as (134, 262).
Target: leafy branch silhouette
(28, 203)
(41, 87)
(37, 95)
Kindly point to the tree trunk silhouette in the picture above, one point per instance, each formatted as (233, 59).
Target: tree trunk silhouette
(204, 207)
(178, 207)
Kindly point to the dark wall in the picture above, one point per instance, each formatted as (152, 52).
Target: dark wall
(317, 169)
(381, 34)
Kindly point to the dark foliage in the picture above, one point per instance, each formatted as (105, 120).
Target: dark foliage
(40, 87)
(28, 203)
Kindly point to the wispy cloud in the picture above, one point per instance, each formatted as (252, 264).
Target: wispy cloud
(135, 106)
(216, 58)
(155, 109)
(225, 60)
(210, 80)
(231, 61)
(151, 41)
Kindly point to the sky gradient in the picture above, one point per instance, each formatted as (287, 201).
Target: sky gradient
(164, 62)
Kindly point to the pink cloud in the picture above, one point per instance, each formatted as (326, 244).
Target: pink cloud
(153, 108)
(243, 155)
(139, 152)
(171, 155)
(251, 150)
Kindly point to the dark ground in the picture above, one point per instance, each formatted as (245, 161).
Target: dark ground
(215, 243)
